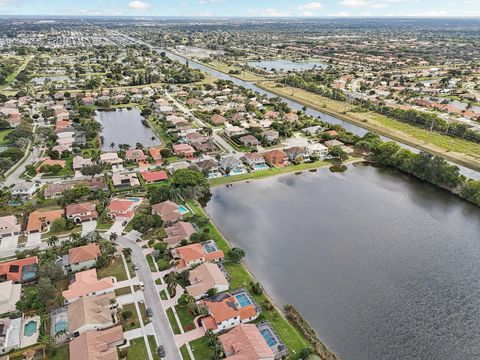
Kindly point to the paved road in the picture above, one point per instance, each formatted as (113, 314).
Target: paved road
(161, 326)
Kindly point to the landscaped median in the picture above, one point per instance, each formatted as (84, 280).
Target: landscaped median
(240, 277)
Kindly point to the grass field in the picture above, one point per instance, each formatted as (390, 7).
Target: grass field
(115, 268)
(11, 77)
(184, 352)
(200, 349)
(245, 75)
(138, 349)
(4, 133)
(173, 321)
(186, 318)
(240, 277)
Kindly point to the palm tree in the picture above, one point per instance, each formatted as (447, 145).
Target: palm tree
(172, 280)
(60, 333)
(113, 237)
(127, 252)
(52, 241)
(112, 145)
(46, 342)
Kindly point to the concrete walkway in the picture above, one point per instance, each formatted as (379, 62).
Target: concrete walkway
(136, 333)
(131, 298)
(124, 283)
(185, 338)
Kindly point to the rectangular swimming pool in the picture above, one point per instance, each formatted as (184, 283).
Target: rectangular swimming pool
(269, 338)
(182, 209)
(209, 248)
(243, 300)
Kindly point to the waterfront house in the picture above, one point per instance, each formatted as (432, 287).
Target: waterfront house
(81, 212)
(208, 167)
(97, 345)
(296, 154)
(331, 143)
(90, 313)
(135, 155)
(9, 226)
(205, 277)
(232, 165)
(318, 149)
(86, 283)
(312, 130)
(226, 311)
(277, 158)
(81, 258)
(19, 270)
(111, 158)
(271, 115)
(254, 159)
(177, 232)
(245, 342)
(195, 254)
(168, 211)
(39, 221)
(156, 155)
(291, 117)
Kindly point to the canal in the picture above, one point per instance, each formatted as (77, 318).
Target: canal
(384, 266)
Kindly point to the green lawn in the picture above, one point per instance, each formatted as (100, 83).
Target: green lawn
(116, 269)
(4, 133)
(59, 353)
(151, 263)
(269, 172)
(186, 318)
(200, 349)
(240, 277)
(138, 350)
(173, 321)
(184, 352)
(163, 295)
(133, 322)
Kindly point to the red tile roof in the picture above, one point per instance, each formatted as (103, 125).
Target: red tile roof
(12, 270)
(153, 176)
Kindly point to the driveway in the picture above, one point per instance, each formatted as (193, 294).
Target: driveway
(88, 226)
(161, 326)
(117, 227)
(9, 243)
(34, 239)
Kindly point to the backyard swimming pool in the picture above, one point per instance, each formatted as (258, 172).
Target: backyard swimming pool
(243, 300)
(261, 167)
(209, 247)
(269, 338)
(30, 328)
(183, 210)
(60, 326)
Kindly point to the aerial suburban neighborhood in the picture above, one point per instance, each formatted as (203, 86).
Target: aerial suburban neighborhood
(248, 188)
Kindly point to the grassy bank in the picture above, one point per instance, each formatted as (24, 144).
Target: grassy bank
(241, 277)
(225, 68)
(460, 151)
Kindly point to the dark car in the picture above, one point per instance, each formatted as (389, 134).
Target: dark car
(161, 351)
(149, 312)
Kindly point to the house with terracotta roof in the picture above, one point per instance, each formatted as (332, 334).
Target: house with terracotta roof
(19, 270)
(195, 254)
(81, 212)
(151, 177)
(226, 311)
(184, 150)
(87, 284)
(135, 155)
(156, 155)
(91, 313)
(50, 162)
(168, 211)
(177, 232)
(97, 345)
(245, 342)
(9, 226)
(277, 158)
(205, 277)
(121, 208)
(81, 258)
(39, 221)
(218, 120)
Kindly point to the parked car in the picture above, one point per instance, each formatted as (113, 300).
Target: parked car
(149, 312)
(161, 351)
(142, 285)
(135, 267)
(124, 223)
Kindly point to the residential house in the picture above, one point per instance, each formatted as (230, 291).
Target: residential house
(19, 270)
(97, 345)
(81, 212)
(312, 130)
(24, 189)
(87, 284)
(225, 311)
(38, 221)
(204, 147)
(121, 209)
(79, 162)
(156, 155)
(297, 153)
(9, 226)
(205, 277)
(184, 150)
(195, 254)
(55, 190)
(245, 342)
(271, 115)
(125, 180)
(231, 164)
(168, 211)
(91, 313)
(81, 258)
(151, 177)
(254, 159)
(218, 120)
(318, 149)
(270, 135)
(331, 143)
(10, 293)
(177, 232)
(233, 130)
(10, 330)
(50, 162)
(277, 158)
(112, 159)
(249, 140)
(209, 167)
(135, 155)
(291, 117)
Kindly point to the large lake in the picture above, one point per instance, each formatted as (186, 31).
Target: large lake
(124, 126)
(382, 265)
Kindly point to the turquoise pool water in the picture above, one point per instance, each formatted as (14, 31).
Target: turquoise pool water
(182, 209)
(243, 299)
(134, 199)
(60, 326)
(236, 172)
(269, 338)
(209, 248)
(30, 328)
(261, 167)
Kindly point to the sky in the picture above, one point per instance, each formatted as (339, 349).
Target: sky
(245, 8)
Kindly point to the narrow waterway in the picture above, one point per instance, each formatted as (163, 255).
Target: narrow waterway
(384, 266)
